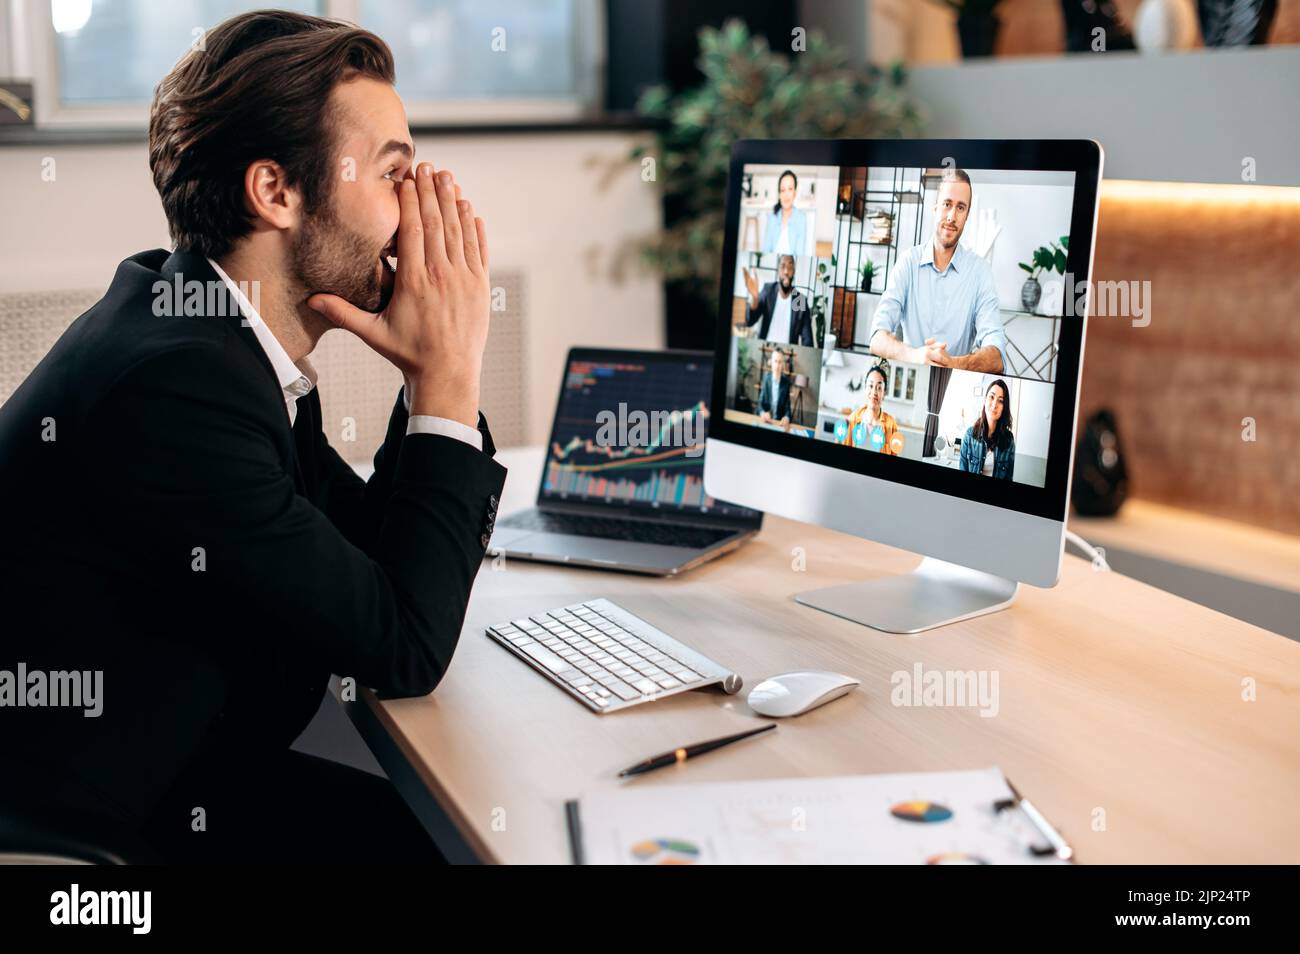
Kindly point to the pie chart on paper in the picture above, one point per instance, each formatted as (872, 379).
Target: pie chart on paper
(921, 811)
(665, 851)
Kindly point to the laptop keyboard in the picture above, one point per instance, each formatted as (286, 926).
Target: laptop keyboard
(608, 528)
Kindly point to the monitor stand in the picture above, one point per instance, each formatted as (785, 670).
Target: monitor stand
(934, 594)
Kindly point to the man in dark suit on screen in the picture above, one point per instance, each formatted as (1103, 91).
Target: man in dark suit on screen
(778, 308)
(774, 392)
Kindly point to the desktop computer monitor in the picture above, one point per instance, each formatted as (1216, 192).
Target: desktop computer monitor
(922, 303)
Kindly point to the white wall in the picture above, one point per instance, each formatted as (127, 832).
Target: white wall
(1190, 116)
(1033, 416)
(552, 212)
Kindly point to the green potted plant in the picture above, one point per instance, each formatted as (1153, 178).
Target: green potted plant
(750, 92)
(1045, 259)
(868, 271)
(821, 300)
(743, 366)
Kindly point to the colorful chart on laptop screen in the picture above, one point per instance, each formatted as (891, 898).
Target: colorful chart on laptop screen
(631, 432)
(665, 851)
(921, 811)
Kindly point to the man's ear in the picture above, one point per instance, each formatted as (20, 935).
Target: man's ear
(269, 196)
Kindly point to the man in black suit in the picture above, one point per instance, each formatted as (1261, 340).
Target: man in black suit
(774, 392)
(779, 309)
(175, 519)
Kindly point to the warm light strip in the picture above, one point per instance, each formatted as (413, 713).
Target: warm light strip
(1134, 190)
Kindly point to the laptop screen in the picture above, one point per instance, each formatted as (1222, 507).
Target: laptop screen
(629, 432)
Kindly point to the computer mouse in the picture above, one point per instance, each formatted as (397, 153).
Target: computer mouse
(793, 693)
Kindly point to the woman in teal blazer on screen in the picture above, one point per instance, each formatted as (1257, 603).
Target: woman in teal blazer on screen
(786, 218)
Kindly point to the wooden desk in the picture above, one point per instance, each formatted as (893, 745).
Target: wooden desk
(1114, 697)
(1178, 535)
(1249, 572)
(756, 420)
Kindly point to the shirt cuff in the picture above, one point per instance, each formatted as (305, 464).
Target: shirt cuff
(428, 424)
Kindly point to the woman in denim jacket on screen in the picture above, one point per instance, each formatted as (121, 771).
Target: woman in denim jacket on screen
(989, 447)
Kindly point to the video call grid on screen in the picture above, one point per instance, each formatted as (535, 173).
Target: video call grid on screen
(630, 431)
(801, 286)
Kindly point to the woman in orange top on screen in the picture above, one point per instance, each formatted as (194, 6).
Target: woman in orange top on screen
(871, 426)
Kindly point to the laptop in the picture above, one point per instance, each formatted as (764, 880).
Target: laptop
(623, 483)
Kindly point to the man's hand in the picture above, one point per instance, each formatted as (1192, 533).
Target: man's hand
(785, 424)
(987, 359)
(765, 417)
(751, 284)
(436, 324)
(885, 345)
(936, 353)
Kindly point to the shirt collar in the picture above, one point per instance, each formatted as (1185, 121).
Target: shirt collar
(296, 380)
(927, 257)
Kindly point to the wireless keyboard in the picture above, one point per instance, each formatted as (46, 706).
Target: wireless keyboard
(607, 658)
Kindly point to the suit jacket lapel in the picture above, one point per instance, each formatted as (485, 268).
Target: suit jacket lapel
(186, 267)
(304, 438)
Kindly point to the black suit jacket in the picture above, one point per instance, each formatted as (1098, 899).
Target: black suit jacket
(778, 405)
(163, 523)
(800, 316)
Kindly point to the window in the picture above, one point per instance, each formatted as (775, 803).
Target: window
(96, 62)
(904, 384)
(116, 51)
(461, 59)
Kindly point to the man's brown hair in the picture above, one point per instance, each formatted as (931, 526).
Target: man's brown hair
(259, 89)
(951, 174)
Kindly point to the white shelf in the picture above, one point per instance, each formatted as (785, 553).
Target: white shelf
(1190, 116)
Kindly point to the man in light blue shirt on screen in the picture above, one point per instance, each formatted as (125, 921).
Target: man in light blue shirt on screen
(942, 296)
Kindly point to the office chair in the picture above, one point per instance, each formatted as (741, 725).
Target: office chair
(31, 834)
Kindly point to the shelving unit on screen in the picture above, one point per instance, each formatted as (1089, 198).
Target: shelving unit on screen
(874, 208)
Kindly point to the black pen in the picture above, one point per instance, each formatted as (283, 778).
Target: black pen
(690, 751)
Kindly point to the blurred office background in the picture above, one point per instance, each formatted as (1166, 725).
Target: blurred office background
(541, 109)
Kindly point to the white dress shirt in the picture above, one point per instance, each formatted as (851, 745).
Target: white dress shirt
(783, 240)
(779, 330)
(776, 392)
(297, 380)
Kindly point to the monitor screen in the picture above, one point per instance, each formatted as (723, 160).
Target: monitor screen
(910, 319)
(629, 432)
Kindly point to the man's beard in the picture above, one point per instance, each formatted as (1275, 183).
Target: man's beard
(786, 285)
(330, 258)
(942, 236)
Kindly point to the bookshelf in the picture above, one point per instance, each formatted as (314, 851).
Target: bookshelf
(869, 226)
